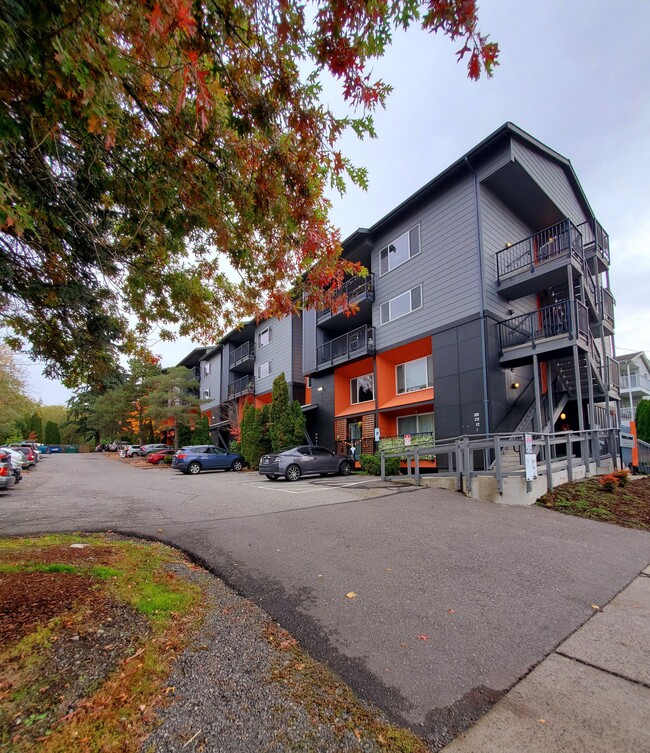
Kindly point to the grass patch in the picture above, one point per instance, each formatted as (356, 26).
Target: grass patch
(54, 567)
(627, 505)
(101, 571)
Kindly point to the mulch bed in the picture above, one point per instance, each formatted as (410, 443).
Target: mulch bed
(627, 506)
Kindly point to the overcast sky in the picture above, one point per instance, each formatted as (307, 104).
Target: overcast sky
(575, 75)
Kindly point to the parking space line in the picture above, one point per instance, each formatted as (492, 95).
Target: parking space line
(286, 491)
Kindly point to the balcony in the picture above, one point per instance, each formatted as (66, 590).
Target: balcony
(554, 328)
(243, 357)
(540, 261)
(359, 291)
(243, 386)
(613, 377)
(596, 243)
(359, 342)
(607, 310)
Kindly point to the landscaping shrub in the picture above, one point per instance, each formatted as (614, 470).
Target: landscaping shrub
(167, 459)
(371, 464)
(235, 446)
(608, 483)
(622, 476)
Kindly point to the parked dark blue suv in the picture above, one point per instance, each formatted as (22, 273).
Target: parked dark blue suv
(199, 458)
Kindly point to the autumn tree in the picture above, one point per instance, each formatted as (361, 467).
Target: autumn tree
(15, 404)
(172, 400)
(170, 159)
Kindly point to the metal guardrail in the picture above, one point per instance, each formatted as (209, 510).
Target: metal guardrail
(355, 289)
(563, 239)
(465, 458)
(350, 345)
(242, 353)
(593, 234)
(244, 385)
(545, 322)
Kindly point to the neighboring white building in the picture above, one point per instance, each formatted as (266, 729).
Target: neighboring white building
(635, 382)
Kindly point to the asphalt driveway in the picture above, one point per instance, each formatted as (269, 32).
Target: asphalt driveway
(455, 599)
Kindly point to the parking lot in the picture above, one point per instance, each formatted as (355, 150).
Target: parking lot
(455, 599)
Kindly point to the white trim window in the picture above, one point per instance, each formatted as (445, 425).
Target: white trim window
(264, 337)
(414, 375)
(400, 250)
(206, 394)
(401, 305)
(420, 423)
(264, 370)
(362, 389)
(207, 368)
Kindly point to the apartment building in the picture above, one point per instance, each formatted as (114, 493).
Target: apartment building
(487, 308)
(242, 367)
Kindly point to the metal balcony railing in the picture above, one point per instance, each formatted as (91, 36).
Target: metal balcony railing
(607, 306)
(557, 241)
(243, 386)
(614, 377)
(595, 236)
(356, 343)
(242, 353)
(356, 289)
(549, 321)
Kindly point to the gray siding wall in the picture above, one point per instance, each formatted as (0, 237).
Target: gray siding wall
(225, 370)
(212, 381)
(278, 351)
(500, 225)
(296, 375)
(447, 266)
(552, 179)
(308, 341)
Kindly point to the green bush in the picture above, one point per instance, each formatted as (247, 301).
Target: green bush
(371, 464)
(167, 459)
(235, 446)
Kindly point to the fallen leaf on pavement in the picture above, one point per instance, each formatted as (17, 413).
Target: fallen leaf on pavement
(451, 611)
(351, 595)
(595, 606)
(388, 569)
(423, 637)
(542, 721)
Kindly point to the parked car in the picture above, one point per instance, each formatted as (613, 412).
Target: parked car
(133, 451)
(145, 449)
(199, 458)
(26, 451)
(17, 460)
(158, 457)
(56, 448)
(7, 479)
(34, 447)
(302, 460)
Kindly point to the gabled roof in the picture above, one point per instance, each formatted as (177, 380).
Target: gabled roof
(466, 163)
(194, 358)
(633, 356)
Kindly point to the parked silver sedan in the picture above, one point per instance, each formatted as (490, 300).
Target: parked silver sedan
(302, 460)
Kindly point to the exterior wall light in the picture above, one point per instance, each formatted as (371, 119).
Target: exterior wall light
(320, 389)
(562, 416)
(515, 385)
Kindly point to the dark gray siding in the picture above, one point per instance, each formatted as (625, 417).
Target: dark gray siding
(225, 370)
(278, 351)
(551, 177)
(308, 341)
(500, 225)
(447, 267)
(296, 376)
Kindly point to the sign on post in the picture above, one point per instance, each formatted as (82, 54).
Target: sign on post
(407, 440)
(528, 442)
(377, 434)
(531, 467)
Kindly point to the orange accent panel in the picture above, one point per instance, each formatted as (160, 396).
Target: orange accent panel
(635, 446)
(342, 376)
(386, 378)
(307, 395)
(410, 398)
(263, 399)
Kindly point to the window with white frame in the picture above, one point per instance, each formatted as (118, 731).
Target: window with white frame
(422, 423)
(263, 337)
(400, 250)
(206, 394)
(362, 389)
(414, 375)
(264, 369)
(401, 305)
(207, 368)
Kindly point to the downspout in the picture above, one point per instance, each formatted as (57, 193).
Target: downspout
(479, 237)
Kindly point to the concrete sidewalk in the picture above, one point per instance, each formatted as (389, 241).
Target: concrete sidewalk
(591, 694)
